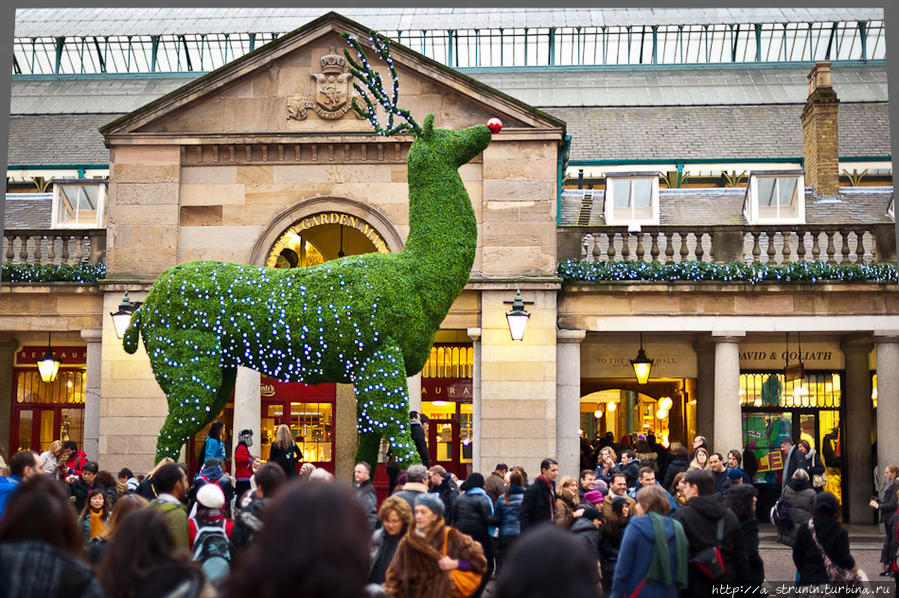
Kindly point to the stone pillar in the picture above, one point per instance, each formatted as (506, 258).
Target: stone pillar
(475, 335)
(568, 400)
(413, 384)
(857, 444)
(8, 346)
(887, 397)
(705, 391)
(247, 409)
(728, 421)
(94, 339)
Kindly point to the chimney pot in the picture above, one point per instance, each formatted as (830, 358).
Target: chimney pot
(819, 77)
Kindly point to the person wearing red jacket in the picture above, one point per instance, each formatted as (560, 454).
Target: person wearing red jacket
(73, 458)
(209, 512)
(243, 462)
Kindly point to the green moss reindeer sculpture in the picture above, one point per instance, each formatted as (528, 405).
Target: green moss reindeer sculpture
(368, 320)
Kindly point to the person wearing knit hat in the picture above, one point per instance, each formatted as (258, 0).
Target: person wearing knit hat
(618, 504)
(586, 529)
(428, 551)
(208, 512)
(735, 474)
(593, 497)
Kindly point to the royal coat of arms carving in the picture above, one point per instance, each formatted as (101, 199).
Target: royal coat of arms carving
(333, 91)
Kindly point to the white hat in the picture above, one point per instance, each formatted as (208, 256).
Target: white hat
(211, 496)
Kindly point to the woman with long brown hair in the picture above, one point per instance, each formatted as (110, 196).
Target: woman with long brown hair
(506, 509)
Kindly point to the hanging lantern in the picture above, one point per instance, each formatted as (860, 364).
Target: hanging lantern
(48, 365)
(641, 364)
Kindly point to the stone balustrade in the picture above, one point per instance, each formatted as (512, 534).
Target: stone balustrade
(54, 246)
(759, 244)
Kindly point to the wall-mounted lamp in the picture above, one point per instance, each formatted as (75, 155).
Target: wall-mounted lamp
(122, 319)
(517, 317)
(48, 365)
(641, 364)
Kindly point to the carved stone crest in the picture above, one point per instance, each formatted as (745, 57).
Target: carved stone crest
(333, 91)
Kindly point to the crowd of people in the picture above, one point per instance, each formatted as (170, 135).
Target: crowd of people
(286, 528)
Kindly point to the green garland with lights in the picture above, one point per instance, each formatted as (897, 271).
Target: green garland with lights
(35, 273)
(368, 320)
(694, 271)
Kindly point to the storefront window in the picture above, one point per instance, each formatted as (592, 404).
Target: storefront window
(47, 411)
(819, 390)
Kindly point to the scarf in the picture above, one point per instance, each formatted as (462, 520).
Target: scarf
(660, 566)
(97, 523)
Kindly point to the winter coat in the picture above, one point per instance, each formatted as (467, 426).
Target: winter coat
(635, 557)
(607, 505)
(212, 475)
(672, 504)
(84, 523)
(447, 491)
(607, 476)
(494, 486)
(649, 458)
(891, 544)
(287, 459)
(750, 527)
(801, 500)
(177, 518)
(8, 485)
(538, 504)
(472, 514)
(806, 556)
(630, 472)
(507, 514)
(49, 464)
(365, 494)
(675, 467)
(887, 502)
(793, 461)
(584, 530)
(813, 464)
(700, 520)
(410, 492)
(213, 449)
(413, 572)
(383, 547)
(565, 507)
(242, 463)
(79, 491)
(76, 462)
(247, 524)
(417, 431)
(38, 569)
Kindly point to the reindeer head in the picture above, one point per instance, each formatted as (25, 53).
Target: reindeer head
(446, 147)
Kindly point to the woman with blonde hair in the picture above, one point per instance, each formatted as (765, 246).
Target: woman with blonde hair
(96, 548)
(700, 460)
(49, 459)
(285, 452)
(395, 516)
(566, 503)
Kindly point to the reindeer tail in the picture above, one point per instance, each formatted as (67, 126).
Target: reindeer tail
(132, 335)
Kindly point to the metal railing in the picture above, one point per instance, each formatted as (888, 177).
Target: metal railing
(54, 246)
(761, 244)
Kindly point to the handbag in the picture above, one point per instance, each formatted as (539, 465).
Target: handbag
(835, 573)
(709, 560)
(819, 480)
(464, 582)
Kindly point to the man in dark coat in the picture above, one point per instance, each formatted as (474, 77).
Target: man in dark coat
(793, 460)
(416, 429)
(539, 501)
(630, 467)
(365, 493)
(700, 516)
(443, 485)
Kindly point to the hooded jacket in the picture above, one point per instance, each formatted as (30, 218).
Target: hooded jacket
(700, 516)
(635, 558)
(583, 529)
(801, 500)
(808, 560)
(507, 514)
(472, 514)
(212, 475)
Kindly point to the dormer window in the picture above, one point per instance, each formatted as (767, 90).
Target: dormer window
(79, 203)
(775, 197)
(632, 198)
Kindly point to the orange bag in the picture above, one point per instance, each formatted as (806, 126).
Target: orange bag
(465, 582)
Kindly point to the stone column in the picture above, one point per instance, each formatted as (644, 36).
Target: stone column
(93, 338)
(568, 400)
(857, 441)
(887, 397)
(247, 407)
(8, 346)
(413, 385)
(728, 421)
(705, 391)
(475, 335)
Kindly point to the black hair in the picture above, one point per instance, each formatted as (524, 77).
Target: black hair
(269, 478)
(167, 477)
(548, 563)
(126, 473)
(215, 430)
(739, 500)
(71, 445)
(703, 480)
(501, 467)
(547, 462)
(630, 453)
(91, 466)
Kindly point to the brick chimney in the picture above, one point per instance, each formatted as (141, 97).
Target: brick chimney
(819, 132)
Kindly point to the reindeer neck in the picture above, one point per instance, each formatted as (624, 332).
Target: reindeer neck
(442, 232)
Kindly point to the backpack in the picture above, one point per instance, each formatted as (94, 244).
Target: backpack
(212, 551)
(780, 513)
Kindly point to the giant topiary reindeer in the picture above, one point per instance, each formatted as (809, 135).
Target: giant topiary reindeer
(368, 319)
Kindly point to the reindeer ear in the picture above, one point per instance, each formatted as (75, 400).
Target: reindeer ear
(428, 128)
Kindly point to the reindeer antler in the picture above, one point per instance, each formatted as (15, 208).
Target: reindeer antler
(363, 71)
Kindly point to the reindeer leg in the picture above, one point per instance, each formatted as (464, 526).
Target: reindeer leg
(188, 367)
(382, 406)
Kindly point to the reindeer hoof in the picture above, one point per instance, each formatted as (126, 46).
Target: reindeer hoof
(495, 125)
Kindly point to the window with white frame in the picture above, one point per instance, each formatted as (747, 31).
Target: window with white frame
(775, 197)
(79, 203)
(632, 198)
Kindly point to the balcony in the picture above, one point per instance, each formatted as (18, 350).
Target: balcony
(760, 244)
(54, 246)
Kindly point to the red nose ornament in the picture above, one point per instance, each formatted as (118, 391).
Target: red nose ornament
(495, 125)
